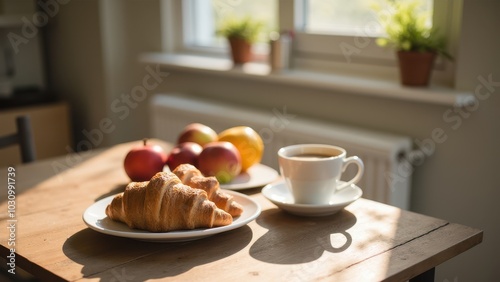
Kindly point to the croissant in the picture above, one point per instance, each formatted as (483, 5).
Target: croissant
(165, 204)
(191, 176)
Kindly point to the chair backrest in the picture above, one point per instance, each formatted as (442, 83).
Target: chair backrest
(23, 137)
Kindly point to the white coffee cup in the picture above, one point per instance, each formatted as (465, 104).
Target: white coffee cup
(312, 171)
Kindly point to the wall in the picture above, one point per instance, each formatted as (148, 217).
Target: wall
(91, 66)
(129, 28)
(74, 64)
(92, 60)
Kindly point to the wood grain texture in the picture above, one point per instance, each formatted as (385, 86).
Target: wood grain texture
(365, 242)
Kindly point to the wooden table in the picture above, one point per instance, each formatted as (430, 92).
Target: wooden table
(367, 241)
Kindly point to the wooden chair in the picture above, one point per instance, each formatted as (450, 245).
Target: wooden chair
(23, 137)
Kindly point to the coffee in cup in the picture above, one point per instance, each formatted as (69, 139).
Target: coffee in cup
(312, 171)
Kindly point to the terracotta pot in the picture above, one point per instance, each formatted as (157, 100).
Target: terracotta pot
(241, 50)
(415, 67)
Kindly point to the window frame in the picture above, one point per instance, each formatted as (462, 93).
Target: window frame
(356, 55)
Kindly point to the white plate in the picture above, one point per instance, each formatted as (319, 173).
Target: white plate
(279, 195)
(95, 217)
(256, 175)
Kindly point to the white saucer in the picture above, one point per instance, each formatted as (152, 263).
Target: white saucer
(279, 195)
(256, 175)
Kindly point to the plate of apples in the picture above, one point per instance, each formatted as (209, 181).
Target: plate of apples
(232, 156)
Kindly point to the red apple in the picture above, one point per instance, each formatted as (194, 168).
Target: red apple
(220, 159)
(184, 153)
(197, 133)
(144, 161)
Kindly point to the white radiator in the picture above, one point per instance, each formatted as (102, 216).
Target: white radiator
(380, 152)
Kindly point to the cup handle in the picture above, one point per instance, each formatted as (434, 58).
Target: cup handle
(357, 177)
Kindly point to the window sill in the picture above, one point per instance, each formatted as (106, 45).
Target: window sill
(346, 84)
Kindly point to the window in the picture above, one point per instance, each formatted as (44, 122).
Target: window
(331, 35)
(338, 17)
(207, 15)
(202, 17)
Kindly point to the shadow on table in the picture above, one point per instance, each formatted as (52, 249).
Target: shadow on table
(117, 189)
(121, 259)
(292, 242)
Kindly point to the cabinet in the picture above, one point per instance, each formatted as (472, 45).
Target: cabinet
(51, 131)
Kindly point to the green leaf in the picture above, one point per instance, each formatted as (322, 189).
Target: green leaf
(405, 25)
(245, 28)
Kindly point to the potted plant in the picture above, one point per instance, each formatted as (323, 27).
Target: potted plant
(241, 34)
(416, 43)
